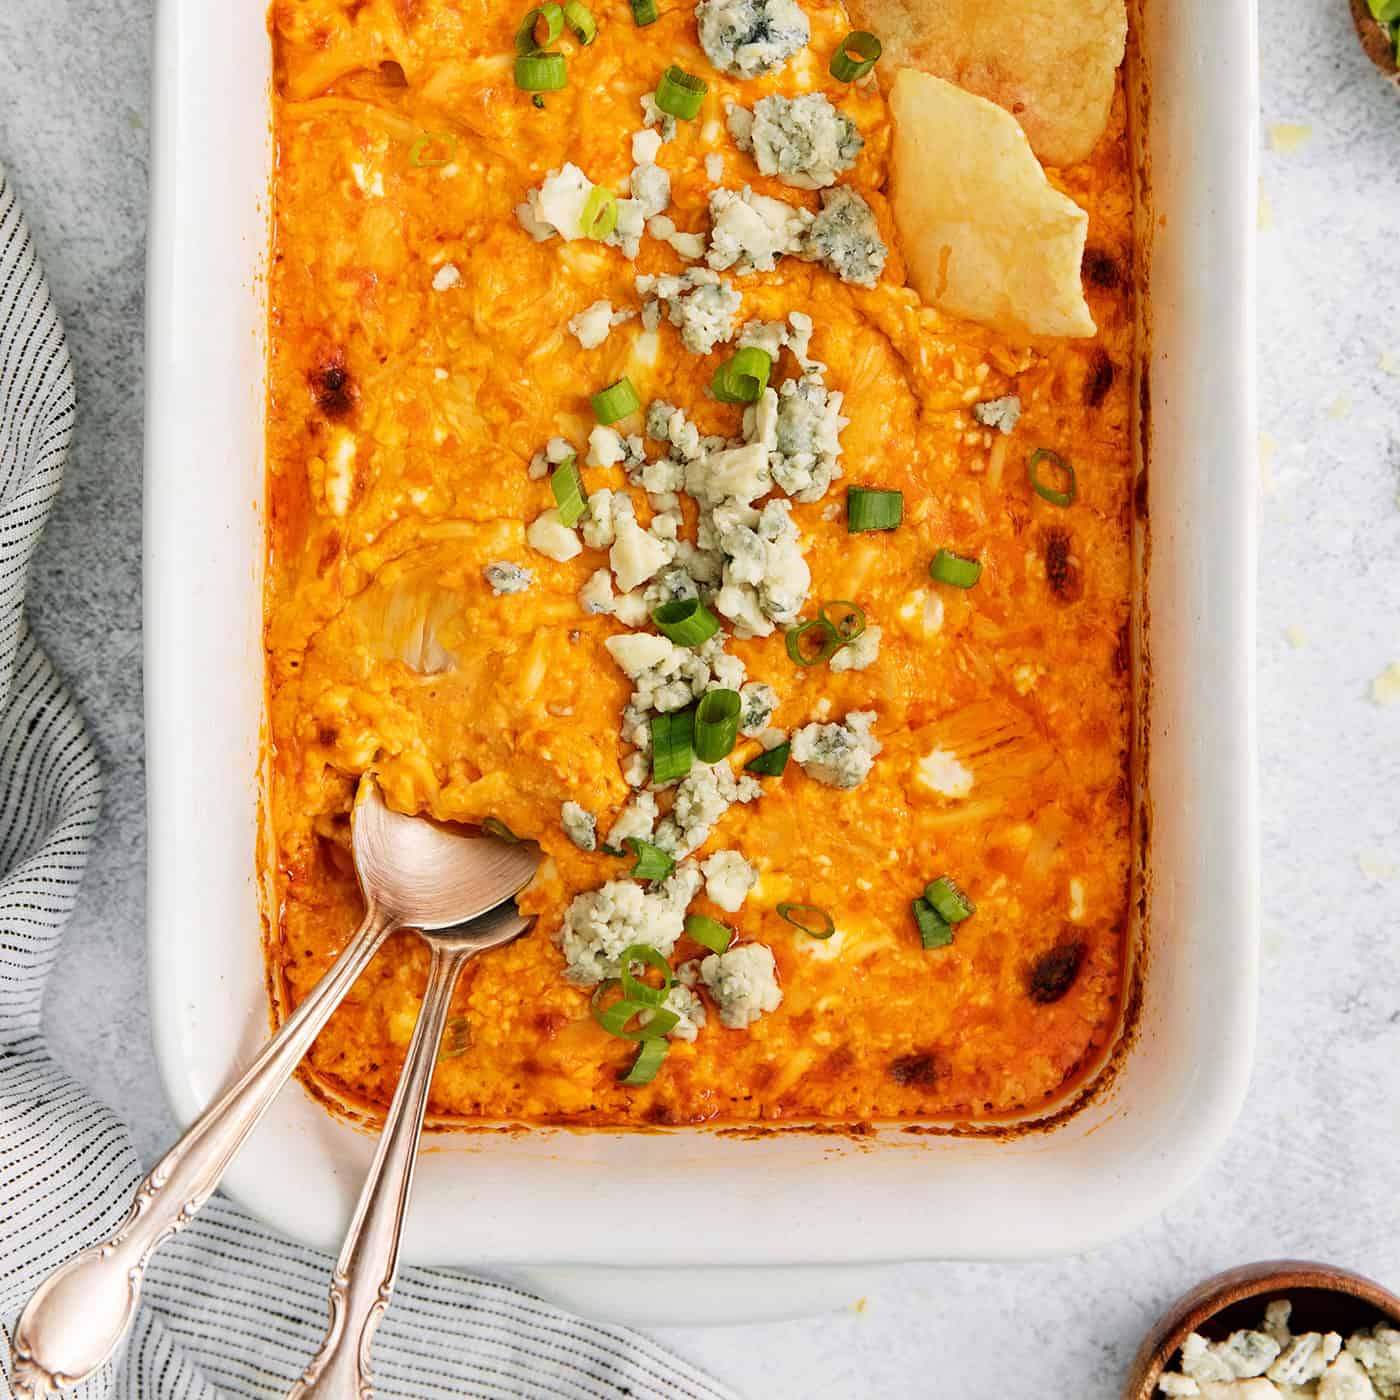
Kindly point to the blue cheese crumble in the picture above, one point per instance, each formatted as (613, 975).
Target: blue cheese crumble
(507, 578)
(743, 982)
(728, 879)
(749, 232)
(846, 238)
(698, 302)
(1002, 414)
(580, 826)
(747, 38)
(804, 141)
(601, 923)
(839, 755)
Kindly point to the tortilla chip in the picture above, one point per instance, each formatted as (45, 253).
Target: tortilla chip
(985, 234)
(1050, 63)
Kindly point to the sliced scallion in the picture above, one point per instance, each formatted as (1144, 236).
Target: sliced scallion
(716, 724)
(492, 827)
(798, 647)
(633, 988)
(599, 216)
(870, 508)
(686, 621)
(956, 570)
(672, 745)
(644, 12)
(427, 142)
(581, 23)
(650, 1054)
(539, 29)
(1042, 488)
(849, 620)
(771, 762)
(456, 1039)
(614, 1018)
(810, 918)
(541, 72)
(679, 94)
(567, 486)
(934, 930)
(857, 55)
(951, 904)
(708, 933)
(743, 377)
(614, 402)
(652, 862)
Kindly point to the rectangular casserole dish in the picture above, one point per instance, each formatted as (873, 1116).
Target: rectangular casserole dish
(552, 1198)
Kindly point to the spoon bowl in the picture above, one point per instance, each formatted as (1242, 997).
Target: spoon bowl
(427, 874)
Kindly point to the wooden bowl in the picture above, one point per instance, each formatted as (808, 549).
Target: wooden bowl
(1375, 39)
(1324, 1298)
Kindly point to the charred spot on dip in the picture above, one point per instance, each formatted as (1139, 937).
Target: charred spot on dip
(920, 1071)
(331, 386)
(1052, 974)
(1099, 379)
(1062, 570)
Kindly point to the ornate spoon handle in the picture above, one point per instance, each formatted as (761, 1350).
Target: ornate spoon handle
(78, 1316)
(364, 1273)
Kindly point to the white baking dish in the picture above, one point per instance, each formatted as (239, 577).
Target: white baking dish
(549, 1203)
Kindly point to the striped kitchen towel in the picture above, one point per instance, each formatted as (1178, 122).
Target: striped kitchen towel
(230, 1308)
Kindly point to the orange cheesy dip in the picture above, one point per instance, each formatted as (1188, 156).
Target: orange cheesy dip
(622, 494)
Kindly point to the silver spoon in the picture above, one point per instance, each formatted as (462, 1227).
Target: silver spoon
(412, 874)
(364, 1273)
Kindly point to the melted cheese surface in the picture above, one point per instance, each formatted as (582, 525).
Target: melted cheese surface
(406, 403)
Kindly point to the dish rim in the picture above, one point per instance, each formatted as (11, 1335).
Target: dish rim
(181, 32)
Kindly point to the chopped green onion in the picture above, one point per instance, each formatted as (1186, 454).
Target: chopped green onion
(500, 830)
(708, 933)
(830, 642)
(672, 745)
(581, 23)
(650, 1054)
(771, 762)
(428, 139)
(934, 930)
(848, 625)
(616, 401)
(538, 101)
(614, 1018)
(810, 918)
(1044, 491)
(652, 862)
(716, 724)
(955, 570)
(951, 904)
(686, 621)
(527, 39)
(644, 12)
(541, 72)
(679, 94)
(868, 508)
(456, 1039)
(743, 377)
(599, 216)
(567, 485)
(633, 989)
(858, 54)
